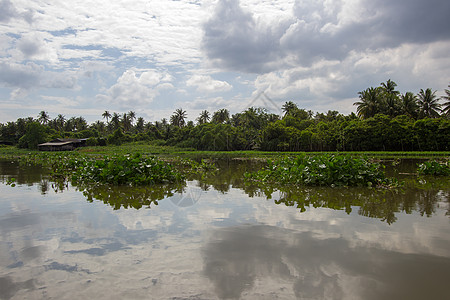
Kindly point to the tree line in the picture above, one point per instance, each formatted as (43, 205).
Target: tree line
(385, 120)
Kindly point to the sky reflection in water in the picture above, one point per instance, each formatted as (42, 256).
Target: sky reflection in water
(219, 243)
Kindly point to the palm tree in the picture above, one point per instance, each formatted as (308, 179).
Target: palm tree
(203, 117)
(80, 124)
(289, 108)
(369, 105)
(99, 126)
(132, 116)
(389, 87)
(409, 105)
(106, 115)
(43, 117)
(60, 120)
(178, 117)
(428, 103)
(140, 124)
(126, 122)
(221, 116)
(446, 105)
(115, 121)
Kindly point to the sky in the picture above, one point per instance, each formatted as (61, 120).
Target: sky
(80, 58)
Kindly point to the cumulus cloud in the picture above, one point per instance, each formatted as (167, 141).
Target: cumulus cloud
(9, 11)
(233, 39)
(331, 30)
(137, 87)
(33, 76)
(206, 84)
(30, 46)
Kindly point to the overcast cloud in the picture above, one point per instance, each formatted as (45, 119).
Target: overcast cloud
(153, 57)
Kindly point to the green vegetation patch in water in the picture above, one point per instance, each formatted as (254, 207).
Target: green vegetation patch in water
(323, 170)
(434, 168)
(125, 170)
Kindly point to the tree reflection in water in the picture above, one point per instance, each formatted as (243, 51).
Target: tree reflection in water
(420, 194)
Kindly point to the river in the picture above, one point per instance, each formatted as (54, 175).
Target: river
(218, 238)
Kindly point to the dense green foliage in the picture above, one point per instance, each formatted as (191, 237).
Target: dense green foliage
(116, 170)
(125, 170)
(434, 168)
(386, 120)
(322, 170)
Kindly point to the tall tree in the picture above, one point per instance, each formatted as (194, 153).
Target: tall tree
(140, 124)
(221, 116)
(409, 105)
(115, 122)
(389, 87)
(203, 117)
(126, 122)
(446, 105)
(369, 105)
(132, 116)
(60, 121)
(43, 117)
(80, 124)
(106, 115)
(428, 103)
(178, 118)
(289, 108)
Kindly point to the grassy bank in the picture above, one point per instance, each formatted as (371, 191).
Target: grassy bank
(168, 151)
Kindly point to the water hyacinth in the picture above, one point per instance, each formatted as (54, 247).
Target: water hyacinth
(323, 170)
(434, 168)
(126, 170)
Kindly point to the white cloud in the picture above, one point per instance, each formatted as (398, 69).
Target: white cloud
(320, 53)
(206, 84)
(136, 87)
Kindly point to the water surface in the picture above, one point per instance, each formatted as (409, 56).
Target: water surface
(218, 238)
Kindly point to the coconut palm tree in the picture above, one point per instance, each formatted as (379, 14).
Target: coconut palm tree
(408, 105)
(115, 121)
(43, 117)
(289, 108)
(221, 116)
(132, 116)
(140, 124)
(60, 121)
(126, 122)
(428, 103)
(389, 87)
(446, 105)
(80, 124)
(106, 115)
(370, 103)
(203, 117)
(178, 118)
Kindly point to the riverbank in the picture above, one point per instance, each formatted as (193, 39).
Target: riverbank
(169, 151)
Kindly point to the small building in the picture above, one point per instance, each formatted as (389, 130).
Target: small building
(62, 145)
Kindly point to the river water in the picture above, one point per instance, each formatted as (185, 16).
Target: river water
(218, 238)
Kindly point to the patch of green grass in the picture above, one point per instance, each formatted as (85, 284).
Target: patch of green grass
(155, 149)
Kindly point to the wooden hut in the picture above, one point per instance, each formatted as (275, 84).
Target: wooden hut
(62, 145)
